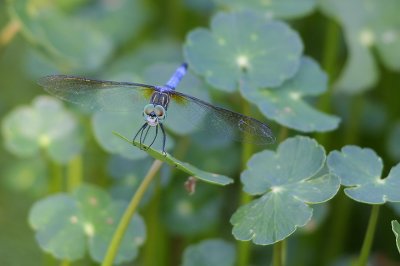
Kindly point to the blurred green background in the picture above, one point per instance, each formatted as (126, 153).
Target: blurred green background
(357, 44)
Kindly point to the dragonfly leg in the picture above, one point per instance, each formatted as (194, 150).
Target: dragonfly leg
(164, 138)
(141, 140)
(137, 133)
(154, 139)
(145, 137)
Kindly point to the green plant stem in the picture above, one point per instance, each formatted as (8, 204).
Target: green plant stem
(369, 236)
(74, 173)
(329, 64)
(155, 239)
(65, 263)
(343, 205)
(278, 253)
(283, 133)
(56, 177)
(129, 212)
(244, 248)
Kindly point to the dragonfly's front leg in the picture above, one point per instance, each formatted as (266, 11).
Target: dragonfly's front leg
(137, 133)
(155, 136)
(164, 138)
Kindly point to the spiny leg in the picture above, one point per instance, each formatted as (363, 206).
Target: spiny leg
(141, 136)
(164, 138)
(154, 139)
(137, 133)
(145, 136)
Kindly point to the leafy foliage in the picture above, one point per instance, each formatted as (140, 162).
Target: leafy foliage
(230, 56)
(373, 25)
(246, 56)
(360, 170)
(287, 104)
(287, 181)
(44, 125)
(210, 252)
(68, 225)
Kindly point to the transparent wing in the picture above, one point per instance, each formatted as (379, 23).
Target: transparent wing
(97, 94)
(218, 121)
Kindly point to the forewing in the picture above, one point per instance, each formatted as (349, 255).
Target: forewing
(98, 95)
(218, 121)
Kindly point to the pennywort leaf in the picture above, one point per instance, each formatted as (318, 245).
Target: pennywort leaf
(360, 171)
(46, 125)
(287, 181)
(210, 252)
(230, 54)
(287, 104)
(68, 225)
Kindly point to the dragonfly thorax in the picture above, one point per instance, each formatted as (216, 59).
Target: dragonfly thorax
(160, 98)
(154, 114)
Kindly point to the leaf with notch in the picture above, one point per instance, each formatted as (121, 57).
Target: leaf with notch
(287, 180)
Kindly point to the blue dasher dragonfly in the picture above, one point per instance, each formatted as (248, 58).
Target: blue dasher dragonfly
(128, 97)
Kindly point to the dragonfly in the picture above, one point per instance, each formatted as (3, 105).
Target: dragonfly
(153, 102)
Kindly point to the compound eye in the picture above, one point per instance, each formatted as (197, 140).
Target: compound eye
(148, 109)
(159, 111)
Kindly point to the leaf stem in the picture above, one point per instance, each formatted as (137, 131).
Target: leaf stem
(369, 236)
(129, 212)
(156, 238)
(278, 253)
(65, 263)
(329, 63)
(74, 173)
(56, 177)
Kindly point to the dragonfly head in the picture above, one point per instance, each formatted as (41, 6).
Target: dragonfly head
(154, 114)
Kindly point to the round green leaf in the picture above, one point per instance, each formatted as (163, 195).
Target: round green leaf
(44, 125)
(375, 24)
(209, 252)
(289, 165)
(287, 104)
(396, 231)
(68, 225)
(57, 34)
(273, 8)
(231, 55)
(58, 231)
(113, 18)
(289, 179)
(360, 170)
